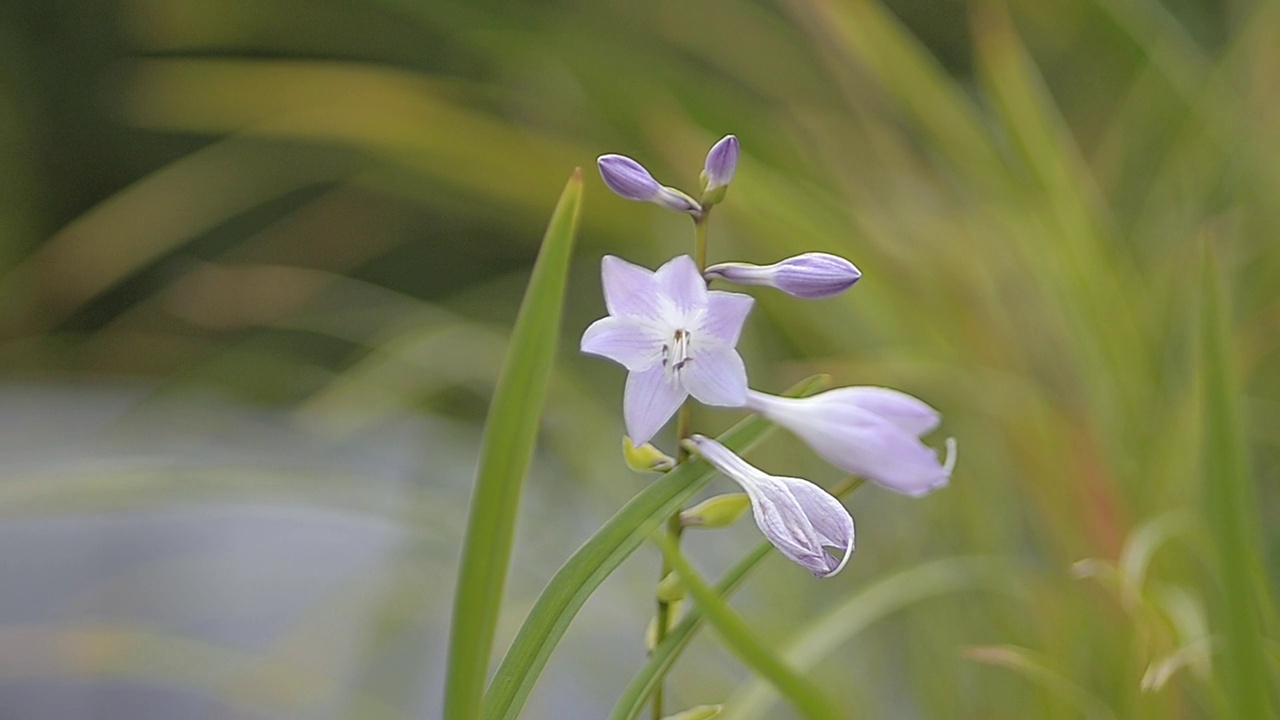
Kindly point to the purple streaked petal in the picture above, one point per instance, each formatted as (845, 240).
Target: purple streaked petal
(798, 517)
(721, 162)
(680, 281)
(672, 199)
(715, 375)
(648, 402)
(726, 313)
(628, 178)
(628, 342)
(629, 290)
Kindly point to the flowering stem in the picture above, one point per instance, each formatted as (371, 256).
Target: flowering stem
(683, 430)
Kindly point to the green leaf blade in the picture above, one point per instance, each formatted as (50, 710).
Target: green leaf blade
(506, 450)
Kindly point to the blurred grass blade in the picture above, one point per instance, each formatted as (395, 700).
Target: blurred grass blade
(633, 698)
(603, 552)
(742, 641)
(1034, 668)
(1241, 665)
(862, 610)
(506, 450)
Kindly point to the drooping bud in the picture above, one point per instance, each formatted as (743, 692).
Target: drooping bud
(809, 276)
(645, 458)
(718, 170)
(869, 431)
(798, 517)
(629, 179)
(716, 512)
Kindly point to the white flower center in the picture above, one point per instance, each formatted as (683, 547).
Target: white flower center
(675, 354)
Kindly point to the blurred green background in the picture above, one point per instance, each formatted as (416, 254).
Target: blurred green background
(258, 260)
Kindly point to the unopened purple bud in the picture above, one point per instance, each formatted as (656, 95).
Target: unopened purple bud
(721, 162)
(809, 276)
(629, 179)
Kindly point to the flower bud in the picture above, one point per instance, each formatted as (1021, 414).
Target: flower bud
(716, 512)
(700, 712)
(670, 588)
(646, 458)
(629, 179)
(869, 431)
(811, 275)
(718, 170)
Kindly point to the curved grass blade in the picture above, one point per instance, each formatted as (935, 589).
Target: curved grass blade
(742, 641)
(1230, 507)
(633, 698)
(583, 572)
(863, 609)
(506, 450)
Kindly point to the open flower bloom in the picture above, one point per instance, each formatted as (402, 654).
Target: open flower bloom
(798, 517)
(629, 179)
(810, 275)
(869, 431)
(674, 337)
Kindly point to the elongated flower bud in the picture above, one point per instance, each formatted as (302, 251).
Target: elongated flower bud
(798, 517)
(869, 431)
(629, 179)
(718, 170)
(811, 275)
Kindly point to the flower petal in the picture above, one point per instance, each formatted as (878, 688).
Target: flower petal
(726, 313)
(715, 375)
(830, 519)
(648, 402)
(849, 434)
(629, 290)
(909, 413)
(628, 342)
(680, 281)
(798, 517)
(721, 161)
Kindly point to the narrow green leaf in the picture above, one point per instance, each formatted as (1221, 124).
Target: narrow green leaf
(506, 450)
(603, 552)
(742, 641)
(1241, 668)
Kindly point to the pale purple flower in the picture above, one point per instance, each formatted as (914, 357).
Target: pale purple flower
(869, 431)
(675, 338)
(811, 275)
(798, 517)
(631, 180)
(722, 160)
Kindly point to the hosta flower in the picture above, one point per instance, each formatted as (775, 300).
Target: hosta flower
(721, 162)
(675, 337)
(811, 275)
(798, 517)
(631, 180)
(869, 431)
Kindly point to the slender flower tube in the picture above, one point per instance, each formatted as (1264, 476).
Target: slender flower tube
(811, 275)
(631, 180)
(721, 162)
(798, 517)
(674, 337)
(869, 431)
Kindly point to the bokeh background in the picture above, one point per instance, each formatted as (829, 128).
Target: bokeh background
(258, 261)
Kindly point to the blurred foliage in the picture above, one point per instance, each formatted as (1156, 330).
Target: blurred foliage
(331, 207)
